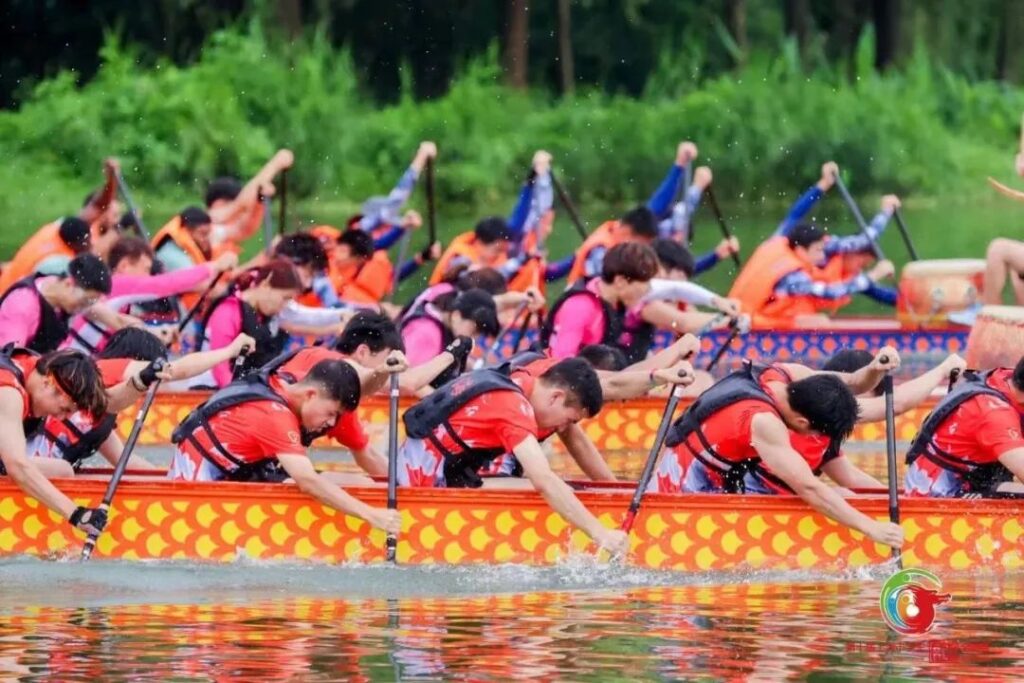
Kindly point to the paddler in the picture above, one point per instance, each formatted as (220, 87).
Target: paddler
(236, 210)
(594, 312)
(458, 429)
(971, 442)
(678, 224)
(801, 271)
(252, 431)
(185, 241)
(781, 424)
(33, 387)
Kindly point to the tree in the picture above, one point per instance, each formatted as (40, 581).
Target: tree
(736, 20)
(1011, 32)
(517, 42)
(565, 62)
(888, 19)
(796, 20)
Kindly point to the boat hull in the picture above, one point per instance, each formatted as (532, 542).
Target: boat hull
(158, 519)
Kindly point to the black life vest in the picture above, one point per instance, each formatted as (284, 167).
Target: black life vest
(462, 463)
(84, 444)
(447, 337)
(522, 359)
(252, 388)
(30, 424)
(272, 368)
(741, 385)
(634, 342)
(268, 344)
(978, 478)
(53, 324)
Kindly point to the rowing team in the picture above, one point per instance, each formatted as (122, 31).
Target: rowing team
(762, 429)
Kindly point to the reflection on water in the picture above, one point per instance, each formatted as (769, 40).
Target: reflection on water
(765, 631)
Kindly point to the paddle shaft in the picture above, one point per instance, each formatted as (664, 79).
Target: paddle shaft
(890, 456)
(199, 303)
(282, 216)
(652, 460)
(954, 375)
(140, 227)
(734, 331)
(391, 544)
(403, 252)
(905, 234)
(431, 204)
(858, 217)
(503, 331)
(726, 233)
(570, 208)
(268, 226)
(122, 461)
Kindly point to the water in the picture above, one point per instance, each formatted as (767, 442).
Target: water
(578, 621)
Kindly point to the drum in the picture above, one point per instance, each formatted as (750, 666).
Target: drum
(929, 290)
(997, 338)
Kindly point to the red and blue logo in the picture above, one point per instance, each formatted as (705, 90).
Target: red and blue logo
(908, 601)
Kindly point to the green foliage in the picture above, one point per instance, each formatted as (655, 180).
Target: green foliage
(765, 129)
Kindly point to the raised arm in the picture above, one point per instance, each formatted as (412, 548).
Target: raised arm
(627, 384)
(808, 199)
(911, 393)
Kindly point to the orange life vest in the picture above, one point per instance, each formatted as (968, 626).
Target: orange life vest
(464, 246)
(42, 245)
(754, 287)
(607, 235)
(175, 232)
(367, 283)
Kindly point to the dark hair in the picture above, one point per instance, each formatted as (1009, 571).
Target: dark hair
(641, 221)
(1018, 375)
(804, 235)
(359, 241)
(580, 382)
(193, 217)
(375, 330)
(632, 260)
(603, 357)
(128, 248)
(487, 279)
(222, 188)
(338, 380)
(279, 272)
(76, 374)
(302, 249)
(75, 233)
(472, 304)
(492, 229)
(827, 403)
(674, 256)
(851, 360)
(135, 343)
(90, 272)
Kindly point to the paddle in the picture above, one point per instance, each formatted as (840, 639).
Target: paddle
(954, 375)
(122, 461)
(122, 187)
(199, 303)
(431, 204)
(521, 332)
(652, 459)
(282, 216)
(905, 234)
(570, 208)
(391, 544)
(268, 225)
(726, 232)
(236, 369)
(734, 331)
(858, 216)
(493, 346)
(890, 456)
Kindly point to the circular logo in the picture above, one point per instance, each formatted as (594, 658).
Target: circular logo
(908, 601)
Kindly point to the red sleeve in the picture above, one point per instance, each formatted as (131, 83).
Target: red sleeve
(279, 431)
(998, 433)
(112, 370)
(516, 422)
(349, 432)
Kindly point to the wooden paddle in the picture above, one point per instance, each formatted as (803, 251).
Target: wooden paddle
(652, 459)
(726, 232)
(570, 208)
(1006, 190)
(140, 227)
(890, 456)
(391, 544)
(122, 461)
(199, 303)
(905, 234)
(268, 226)
(858, 217)
(282, 216)
(431, 204)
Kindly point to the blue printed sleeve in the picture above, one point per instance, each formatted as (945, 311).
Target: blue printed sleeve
(799, 283)
(661, 201)
(387, 239)
(559, 269)
(847, 244)
(799, 210)
(385, 209)
(705, 263)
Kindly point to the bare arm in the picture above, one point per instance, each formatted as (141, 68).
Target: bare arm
(19, 467)
(197, 363)
(666, 316)
(627, 384)
(586, 455)
(309, 481)
(251, 191)
(911, 393)
(1013, 460)
(845, 473)
(414, 379)
(372, 461)
(111, 452)
(685, 348)
(555, 491)
(771, 440)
